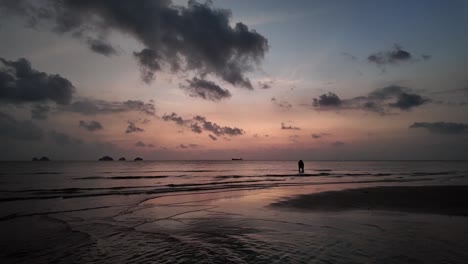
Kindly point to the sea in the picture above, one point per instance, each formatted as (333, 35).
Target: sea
(219, 212)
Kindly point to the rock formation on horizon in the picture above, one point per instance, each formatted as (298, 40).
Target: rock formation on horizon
(106, 158)
(138, 159)
(122, 159)
(43, 158)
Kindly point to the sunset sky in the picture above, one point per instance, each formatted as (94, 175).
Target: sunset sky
(312, 80)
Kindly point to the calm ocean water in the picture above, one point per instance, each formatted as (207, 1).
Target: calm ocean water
(217, 211)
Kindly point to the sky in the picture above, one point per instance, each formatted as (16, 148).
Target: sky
(261, 80)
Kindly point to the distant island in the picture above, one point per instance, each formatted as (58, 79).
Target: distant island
(106, 158)
(138, 159)
(44, 158)
(122, 159)
(236, 158)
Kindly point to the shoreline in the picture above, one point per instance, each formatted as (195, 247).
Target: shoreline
(445, 200)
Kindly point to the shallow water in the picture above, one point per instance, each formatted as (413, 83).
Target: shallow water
(217, 212)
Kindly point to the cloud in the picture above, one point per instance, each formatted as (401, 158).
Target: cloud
(319, 135)
(63, 139)
(407, 101)
(91, 125)
(281, 104)
(182, 146)
(131, 128)
(380, 101)
(198, 124)
(94, 107)
(216, 129)
(327, 100)
(265, 85)
(446, 128)
(40, 111)
(394, 56)
(290, 127)
(196, 37)
(212, 137)
(140, 144)
(20, 83)
(102, 47)
(22, 130)
(338, 144)
(173, 117)
(195, 127)
(207, 90)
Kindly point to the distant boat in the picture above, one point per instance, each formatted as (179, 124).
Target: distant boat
(236, 159)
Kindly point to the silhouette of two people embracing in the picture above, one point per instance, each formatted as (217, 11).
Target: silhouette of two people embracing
(301, 166)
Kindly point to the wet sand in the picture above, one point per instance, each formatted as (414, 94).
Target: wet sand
(449, 200)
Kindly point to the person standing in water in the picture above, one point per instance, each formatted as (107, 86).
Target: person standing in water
(301, 166)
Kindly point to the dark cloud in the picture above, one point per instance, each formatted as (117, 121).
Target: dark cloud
(150, 146)
(290, 127)
(199, 123)
(195, 127)
(442, 127)
(21, 130)
(393, 56)
(196, 37)
(327, 100)
(281, 104)
(140, 144)
(91, 125)
(207, 90)
(212, 137)
(173, 117)
(380, 101)
(20, 83)
(40, 111)
(94, 107)
(319, 135)
(148, 60)
(131, 128)
(338, 143)
(407, 101)
(216, 129)
(188, 146)
(387, 92)
(101, 46)
(63, 139)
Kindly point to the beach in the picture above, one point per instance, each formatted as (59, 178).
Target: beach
(444, 200)
(226, 212)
